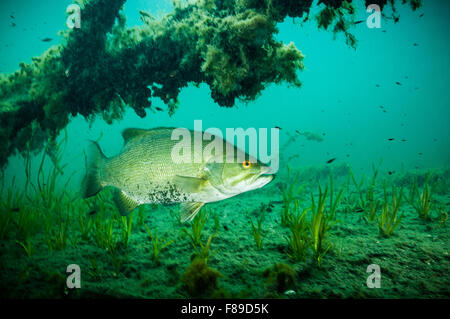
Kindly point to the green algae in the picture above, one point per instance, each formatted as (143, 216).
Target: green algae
(199, 278)
(229, 45)
(280, 276)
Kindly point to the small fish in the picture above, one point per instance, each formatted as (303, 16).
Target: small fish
(403, 140)
(381, 107)
(46, 39)
(358, 22)
(347, 155)
(415, 44)
(331, 160)
(297, 132)
(390, 139)
(420, 153)
(377, 85)
(359, 210)
(384, 31)
(278, 128)
(421, 15)
(225, 227)
(158, 109)
(13, 24)
(398, 83)
(12, 17)
(391, 172)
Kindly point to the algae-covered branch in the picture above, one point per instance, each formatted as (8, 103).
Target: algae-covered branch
(104, 66)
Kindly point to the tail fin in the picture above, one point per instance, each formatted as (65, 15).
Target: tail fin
(92, 183)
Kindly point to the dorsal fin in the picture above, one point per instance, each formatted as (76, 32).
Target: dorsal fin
(131, 133)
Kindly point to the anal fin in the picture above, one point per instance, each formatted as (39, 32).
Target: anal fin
(189, 210)
(124, 203)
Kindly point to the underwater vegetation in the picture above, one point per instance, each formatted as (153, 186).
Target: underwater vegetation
(257, 230)
(199, 278)
(323, 236)
(229, 45)
(281, 276)
(157, 244)
(389, 219)
(313, 232)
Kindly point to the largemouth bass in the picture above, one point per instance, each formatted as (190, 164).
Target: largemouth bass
(145, 171)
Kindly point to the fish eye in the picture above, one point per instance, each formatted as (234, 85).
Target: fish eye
(246, 164)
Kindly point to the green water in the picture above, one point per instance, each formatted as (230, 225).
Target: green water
(385, 138)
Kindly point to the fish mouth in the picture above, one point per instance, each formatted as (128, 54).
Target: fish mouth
(264, 179)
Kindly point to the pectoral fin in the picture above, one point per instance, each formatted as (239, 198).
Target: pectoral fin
(124, 203)
(190, 184)
(189, 210)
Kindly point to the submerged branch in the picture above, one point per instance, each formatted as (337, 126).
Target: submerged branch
(104, 66)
